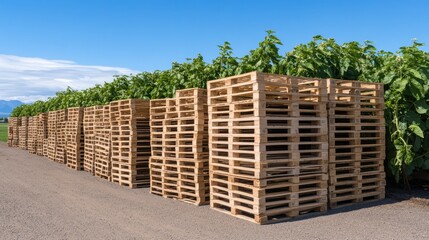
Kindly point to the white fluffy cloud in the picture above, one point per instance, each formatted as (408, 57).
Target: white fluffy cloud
(29, 79)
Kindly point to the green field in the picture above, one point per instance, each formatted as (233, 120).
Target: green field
(3, 132)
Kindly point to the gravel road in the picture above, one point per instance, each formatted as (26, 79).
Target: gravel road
(40, 199)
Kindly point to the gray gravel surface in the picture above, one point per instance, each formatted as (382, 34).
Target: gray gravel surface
(40, 199)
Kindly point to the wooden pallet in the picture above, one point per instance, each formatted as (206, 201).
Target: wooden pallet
(355, 91)
(268, 200)
(23, 133)
(32, 135)
(75, 138)
(10, 131)
(264, 127)
(102, 141)
(356, 142)
(9, 135)
(130, 175)
(14, 123)
(179, 146)
(89, 138)
(181, 179)
(130, 142)
(52, 135)
(42, 133)
(60, 144)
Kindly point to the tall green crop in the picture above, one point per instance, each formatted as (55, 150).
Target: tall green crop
(405, 75)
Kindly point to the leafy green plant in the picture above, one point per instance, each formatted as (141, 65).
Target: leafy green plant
(405, 75)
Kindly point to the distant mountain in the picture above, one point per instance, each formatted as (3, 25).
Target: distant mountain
(6, 107)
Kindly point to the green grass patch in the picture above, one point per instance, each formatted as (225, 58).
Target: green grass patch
(3, 132)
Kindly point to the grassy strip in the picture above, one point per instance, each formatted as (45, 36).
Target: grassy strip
(3, 132)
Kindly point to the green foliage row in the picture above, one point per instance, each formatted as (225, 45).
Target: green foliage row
(404, 73)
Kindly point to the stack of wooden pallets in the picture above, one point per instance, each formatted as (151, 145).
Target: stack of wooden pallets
(23, 133)
(16, 122)
(32, 134)
(52, 135)
(74, 138)
(102, 163)
(356, 142)
(130, 136)
(42, 134)
(179, 141)
(9, 134)
(10, 131)
(88, 132)
(268, 146)
(60, 150)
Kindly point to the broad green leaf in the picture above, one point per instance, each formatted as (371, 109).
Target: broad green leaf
(416, 130)
(416, 74)
(416, 89)
(421, 106)
(388, 78)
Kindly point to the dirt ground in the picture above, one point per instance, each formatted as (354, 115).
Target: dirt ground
(40, 199)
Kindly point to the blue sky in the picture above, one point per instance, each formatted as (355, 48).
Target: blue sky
(130, 35)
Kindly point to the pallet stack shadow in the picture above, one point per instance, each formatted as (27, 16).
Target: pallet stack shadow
(130, 141)
(42, 134)
(268, 146)
(179, 142)
(32, 134)
(61, 142)
(89, 137)
(102, 163)
(23, 133)
(356, 142)
(74, 138)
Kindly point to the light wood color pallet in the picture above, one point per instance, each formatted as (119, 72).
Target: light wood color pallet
(16, 122)
(60, 149)
(89, 138)
(356, 142)
(42, 133)
(45, 147)
(182, 179)
(179, 142)
(268, 146)
(23, 133)
(13, 136)
(9, 135)
(102, 162)
(130, 141)
(74, 138)
(32, 135)
(52, 135)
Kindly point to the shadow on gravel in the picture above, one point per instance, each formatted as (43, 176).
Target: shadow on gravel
(418, 195)
(344, 209)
